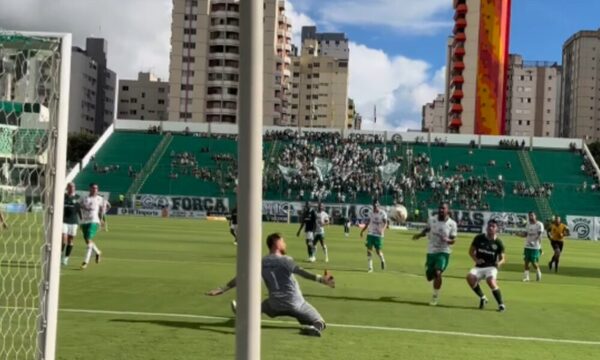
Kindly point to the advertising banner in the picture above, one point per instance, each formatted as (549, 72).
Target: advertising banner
(583, 227)
(475, 221)
(207, 205)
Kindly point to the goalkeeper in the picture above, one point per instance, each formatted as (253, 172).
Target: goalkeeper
(285, 297)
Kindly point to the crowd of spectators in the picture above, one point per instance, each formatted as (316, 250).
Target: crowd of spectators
(524, 190)
(511, 144)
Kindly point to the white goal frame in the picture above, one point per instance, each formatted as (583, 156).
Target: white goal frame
(56, 167)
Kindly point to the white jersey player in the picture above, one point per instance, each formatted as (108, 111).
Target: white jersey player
(533, 246)
(92, 211)
(322, 221)
(375, 226)
(441, 231)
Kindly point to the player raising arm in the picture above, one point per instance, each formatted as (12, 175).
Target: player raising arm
(441, 231)
(487, 251)
(285, 297)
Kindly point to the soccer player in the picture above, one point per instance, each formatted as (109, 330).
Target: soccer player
(533, 246)
(3, 221)
(71, 214)
(309, 223)
(441, 231)
(233, 222)
(285, 297)
(347, 224)
(376, 225)
(92, 207)
(322, 221)
(487, 251)
(104, 220)
(557, 234)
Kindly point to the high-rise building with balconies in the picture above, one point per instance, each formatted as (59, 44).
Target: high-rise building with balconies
(320, 81)
(478, 67)
(205, 61)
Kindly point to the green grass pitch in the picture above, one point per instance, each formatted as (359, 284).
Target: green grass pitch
(145, 300)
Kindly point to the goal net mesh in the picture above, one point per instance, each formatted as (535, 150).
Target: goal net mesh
(29, 95)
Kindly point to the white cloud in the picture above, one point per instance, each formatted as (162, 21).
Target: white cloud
(423, 17)
(138, 40)
(298, 20)
(398, 86)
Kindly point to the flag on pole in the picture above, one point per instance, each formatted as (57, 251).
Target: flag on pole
(374, 114)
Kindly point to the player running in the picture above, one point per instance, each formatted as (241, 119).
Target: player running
(285, 297)
(533, 246)
(92, 207)
(71, 215)
(487, 251)
(376, 225)
(441, 231)
(309, 223)
(233, 223)
(557, 233)
(322, 221)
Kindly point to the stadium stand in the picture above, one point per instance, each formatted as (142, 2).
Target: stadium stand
(506, 177)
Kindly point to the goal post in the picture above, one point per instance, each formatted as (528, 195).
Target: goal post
(34, 104)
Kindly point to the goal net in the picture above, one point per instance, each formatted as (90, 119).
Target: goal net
(34, 72)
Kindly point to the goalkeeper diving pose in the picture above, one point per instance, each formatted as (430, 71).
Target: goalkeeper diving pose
(285, 297)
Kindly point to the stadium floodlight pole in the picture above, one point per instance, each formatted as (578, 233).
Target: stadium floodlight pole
(249, 198)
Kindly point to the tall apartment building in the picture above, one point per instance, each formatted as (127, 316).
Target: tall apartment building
(205, 61)
(580, 96)
(477, 81)
(146, 98)
(434, 115)
(93, 88)
(320, 81)
(533, 98)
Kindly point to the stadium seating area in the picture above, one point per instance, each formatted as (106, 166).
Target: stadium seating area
(494, 178)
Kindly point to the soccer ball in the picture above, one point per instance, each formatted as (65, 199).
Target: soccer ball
(398, 214)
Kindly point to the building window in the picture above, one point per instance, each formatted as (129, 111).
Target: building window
(547, 122)
(161, 90)
(187, 87)
(189, 45)
(185, 115)
(188, 59)
(161, 102)
(125, 88)
(528, 122)
(296, 74)
(143, 95)
(520, 122)
(529, 100)
(133, 100)
(189, 31)
(133, 112)
(187, 17)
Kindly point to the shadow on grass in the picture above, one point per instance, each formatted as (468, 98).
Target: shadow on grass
(574, 271)
(226, 327)
(387, 299)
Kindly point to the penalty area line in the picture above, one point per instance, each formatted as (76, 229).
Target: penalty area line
(346, 326)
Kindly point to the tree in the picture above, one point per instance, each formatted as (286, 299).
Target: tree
(78, 145)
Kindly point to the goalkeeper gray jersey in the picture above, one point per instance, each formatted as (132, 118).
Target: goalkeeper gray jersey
(278, 275)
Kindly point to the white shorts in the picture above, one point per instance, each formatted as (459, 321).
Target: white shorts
(70, 229)
(482, 273)
(233, 227)
(310, 235)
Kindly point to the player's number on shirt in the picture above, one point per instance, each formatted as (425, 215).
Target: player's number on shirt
(275, 280)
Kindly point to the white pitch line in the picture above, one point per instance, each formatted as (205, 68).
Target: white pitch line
(346, 326)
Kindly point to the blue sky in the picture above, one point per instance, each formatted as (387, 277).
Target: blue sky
(416, 31)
